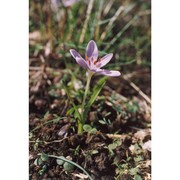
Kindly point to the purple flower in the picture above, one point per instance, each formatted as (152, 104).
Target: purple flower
(68, 3)
(92, 62)
(55, 4)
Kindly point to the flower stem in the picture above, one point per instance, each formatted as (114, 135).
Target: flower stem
(80, 127)
(81, 123)
(86, 90)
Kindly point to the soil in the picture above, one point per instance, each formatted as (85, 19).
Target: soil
(119, 148)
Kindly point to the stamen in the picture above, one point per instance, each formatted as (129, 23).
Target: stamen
(86, 57)
(99, 60)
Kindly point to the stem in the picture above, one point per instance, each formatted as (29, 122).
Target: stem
(80, 124)
(86, 90)
(80, 127)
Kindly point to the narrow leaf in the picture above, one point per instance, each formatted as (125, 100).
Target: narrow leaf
(96, 91)
(74, 106)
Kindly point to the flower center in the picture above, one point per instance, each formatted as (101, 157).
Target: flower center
(93, 64)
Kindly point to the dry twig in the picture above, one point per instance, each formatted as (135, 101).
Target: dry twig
(90, 6)
(121, 8)
(143, 95)
(108, 7)
(45, 142)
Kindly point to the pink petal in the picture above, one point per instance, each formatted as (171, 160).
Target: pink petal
(75, 54)
(68, 3)
(105, 60)
(92, 50)
(82, 62)
(107, 72)
(79, 59)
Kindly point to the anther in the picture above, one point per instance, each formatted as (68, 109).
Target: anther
(99, 60)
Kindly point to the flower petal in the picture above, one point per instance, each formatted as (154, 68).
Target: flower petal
(105, 60)
(107, 72)
(82, 62)
(92, 50)
(68, 3)
(79, 59)
(75, 54)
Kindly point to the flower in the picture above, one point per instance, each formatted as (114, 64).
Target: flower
(68, 3)
(55, 4)
(92, 62)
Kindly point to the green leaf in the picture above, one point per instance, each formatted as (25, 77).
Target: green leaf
(112, 146)
(129, 158)
(93, 131)
(138, 158)
(60, 161)
(46, 114)
(38, 162)
(136, 147)
(44, 157)
(76, 114)
(134, 171)
(124, 166)
(87, 128)
(68, 166)
(115, 144)
(95, 93)
(137, 177)
(41, 171)
(118, 142)
(69, 97)
(96, 90)
(70, 111)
